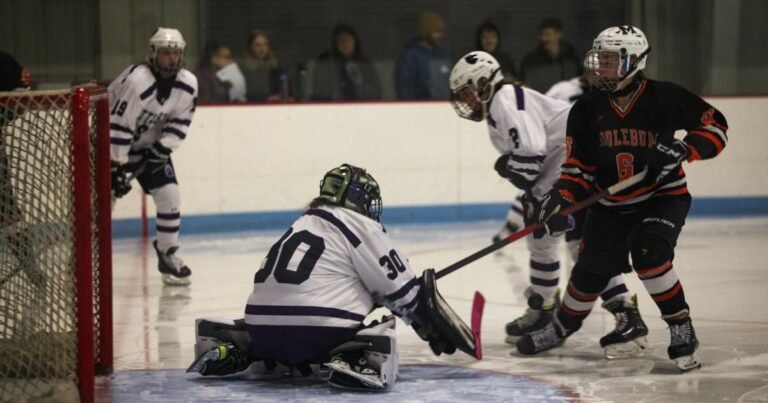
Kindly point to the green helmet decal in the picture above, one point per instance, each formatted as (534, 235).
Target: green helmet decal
(353, 188)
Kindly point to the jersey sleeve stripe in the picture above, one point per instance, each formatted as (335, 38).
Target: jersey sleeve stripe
(286, 310)
(527, 159)
(581, 165)
(403, 291)
(178, 133)
(182, 122)
(712, 139)
(119, 128)
(581, 182)
(351, 237)
(520, 98)
(120, 142)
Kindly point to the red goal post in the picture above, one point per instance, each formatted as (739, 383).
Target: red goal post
(55, 247)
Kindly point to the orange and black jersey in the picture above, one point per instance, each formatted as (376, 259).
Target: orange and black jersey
(607, 144)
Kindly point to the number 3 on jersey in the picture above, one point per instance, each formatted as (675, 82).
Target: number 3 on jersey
(282, 252)
(624, 165)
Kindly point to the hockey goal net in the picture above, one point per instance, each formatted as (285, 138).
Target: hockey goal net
(55, 246)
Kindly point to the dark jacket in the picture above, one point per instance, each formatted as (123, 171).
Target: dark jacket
(540, 71)
(506, 62)
(422, 73)
(338, 77)
(209, 88)
(10, 73)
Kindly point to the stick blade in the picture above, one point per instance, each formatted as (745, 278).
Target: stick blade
(478, 306)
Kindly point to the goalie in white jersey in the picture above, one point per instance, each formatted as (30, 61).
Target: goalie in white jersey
(528, 130)
(318, 282)
(151, 109)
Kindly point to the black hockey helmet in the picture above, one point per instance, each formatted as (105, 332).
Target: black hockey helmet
(353, 188)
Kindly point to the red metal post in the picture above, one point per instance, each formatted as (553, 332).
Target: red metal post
(82, 243)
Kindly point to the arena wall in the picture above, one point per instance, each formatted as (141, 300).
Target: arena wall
(256, 166)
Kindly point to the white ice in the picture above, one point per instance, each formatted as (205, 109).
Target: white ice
(721, 263)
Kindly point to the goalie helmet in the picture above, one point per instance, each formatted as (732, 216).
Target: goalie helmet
(472, 83)
(166, 38)
(617, 54)
(353, 188)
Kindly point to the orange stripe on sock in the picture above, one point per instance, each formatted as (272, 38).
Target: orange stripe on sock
(654, 271)
(669, 294)
(578, 295)
(571, 312)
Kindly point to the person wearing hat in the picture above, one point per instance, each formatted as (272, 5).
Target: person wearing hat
(423, 66)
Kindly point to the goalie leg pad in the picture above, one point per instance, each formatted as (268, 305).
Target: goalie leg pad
(369, 362)
(438, 324)
(213, 332)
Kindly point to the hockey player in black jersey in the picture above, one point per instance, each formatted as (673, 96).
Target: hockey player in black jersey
(612, 134)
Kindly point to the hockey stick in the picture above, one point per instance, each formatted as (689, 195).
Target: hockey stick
(478, 305)
(612, 190)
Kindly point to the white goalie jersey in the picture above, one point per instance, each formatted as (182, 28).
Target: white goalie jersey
(530, 128)
(142, 113)
(330, 270)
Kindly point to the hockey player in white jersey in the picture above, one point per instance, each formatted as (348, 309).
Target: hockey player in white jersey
(151, 109)
(318, 282)
(528, 130)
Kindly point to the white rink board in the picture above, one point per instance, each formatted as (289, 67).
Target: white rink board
(254, 158)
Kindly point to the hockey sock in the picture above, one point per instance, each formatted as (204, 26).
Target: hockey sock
(544, 280)
(580, 296)
(652, 259)
(615, 288)
(167, 203)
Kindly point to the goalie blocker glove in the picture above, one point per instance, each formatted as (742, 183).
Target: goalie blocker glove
(437, 323)
(120, 183)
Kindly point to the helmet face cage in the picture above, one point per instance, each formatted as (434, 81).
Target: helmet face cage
(166, 39)
(467, 104)
(353, 188)
(617, 54)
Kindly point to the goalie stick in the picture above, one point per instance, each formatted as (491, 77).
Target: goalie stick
(616, 188)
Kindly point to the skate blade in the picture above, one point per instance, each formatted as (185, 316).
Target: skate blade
(175, 281)
(687, 362)
(512, 340)
(367, 380)
(630, 349)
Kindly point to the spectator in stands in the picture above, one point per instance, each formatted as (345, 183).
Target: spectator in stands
(552, 61)
(488, 39)
(265, 79)
(423, 67)
(219, 79)
(343, 72)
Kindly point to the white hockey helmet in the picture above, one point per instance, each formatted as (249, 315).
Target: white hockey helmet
(617, 54)
(166, 38)
(472, 82)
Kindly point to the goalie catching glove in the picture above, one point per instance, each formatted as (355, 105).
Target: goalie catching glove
(437, 324)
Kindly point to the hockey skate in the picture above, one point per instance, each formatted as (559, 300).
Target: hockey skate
(551, 336)
(172, 268)
(351, 370)
(222, 360)
(508, 229)
(536, 316)
(628, 339)
(683, 344)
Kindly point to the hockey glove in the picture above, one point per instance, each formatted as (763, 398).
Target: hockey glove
(670, 157)
(156, 157)
(550, 207)
(502, 168)
(531, 207)
(120, 183)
